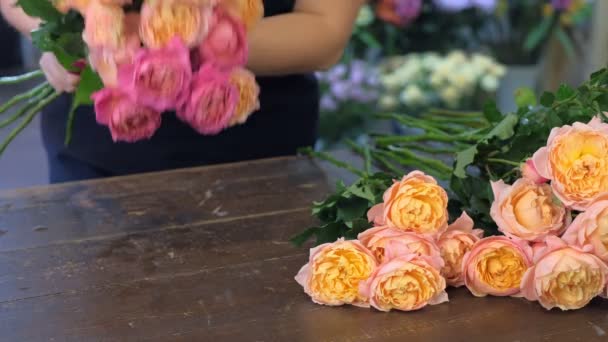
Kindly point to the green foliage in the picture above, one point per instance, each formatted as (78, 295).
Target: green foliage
(344, 213)
(63, 37)
(491, 147)
(42, 9)
(89, 83)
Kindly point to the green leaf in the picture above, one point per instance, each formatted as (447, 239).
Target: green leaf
(547, 99)
(464, 159)
(525, 97)
(538, 34)
(505, 129)
(363, 191)
(564, 92)
(89, 83)
(352, 208)
(491, 112)
(42, 9)
(304, 236)
(329, 232)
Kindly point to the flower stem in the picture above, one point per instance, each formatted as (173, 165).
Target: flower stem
(503, 161)
(28, 119)
(21, 97)
(327, 157)
(454, 113)
(31, 103)
(21, 78)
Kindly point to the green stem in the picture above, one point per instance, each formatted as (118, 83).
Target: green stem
(21, 78)
(327, 157)
(454, 113)
(412, 122)
(28, 119)
(22, 97)
(389, 140)
(432, 150)
(32, 102)
(387, 165)
(415, 163)
(431, 162)
(503, 161)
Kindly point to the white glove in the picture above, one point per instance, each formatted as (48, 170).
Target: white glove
(61, 79)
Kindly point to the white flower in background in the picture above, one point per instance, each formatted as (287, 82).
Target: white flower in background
(451, 96)
(430, 60)
(391, 82)
(489, 83)
(388, 102)
(482, 61)
(365, 17)
(497, 70)
(436, 80)
(412, 95)
(456, 57)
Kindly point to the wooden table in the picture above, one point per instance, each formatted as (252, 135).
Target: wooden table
(201, 255)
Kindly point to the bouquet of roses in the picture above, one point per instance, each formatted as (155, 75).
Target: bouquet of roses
(140, 58)
(536, 179)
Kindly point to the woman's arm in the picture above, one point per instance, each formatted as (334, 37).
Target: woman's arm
(17, 18)
(310, 38)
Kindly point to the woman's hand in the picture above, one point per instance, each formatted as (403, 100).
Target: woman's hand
(61, 79)
(310, 38)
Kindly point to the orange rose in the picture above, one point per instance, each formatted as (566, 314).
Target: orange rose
(417, 204)
(334, 272)
(104, 26)
(250, 12)
(249, 91)
(162, 20)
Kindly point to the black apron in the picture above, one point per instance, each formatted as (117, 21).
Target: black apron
(286, 121)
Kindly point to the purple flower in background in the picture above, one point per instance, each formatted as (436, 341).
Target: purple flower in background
(328, 104)
(459, 5)
(453, 5)
(408, 10)
(561, 5)
(340, 90)
(358, 72)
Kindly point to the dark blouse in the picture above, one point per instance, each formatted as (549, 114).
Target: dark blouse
(286, 121)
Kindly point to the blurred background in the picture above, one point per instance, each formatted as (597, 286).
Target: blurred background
(405, 56)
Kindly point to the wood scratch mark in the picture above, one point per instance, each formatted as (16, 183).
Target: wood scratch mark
(219, 212)
(599, 331)
(167, 228)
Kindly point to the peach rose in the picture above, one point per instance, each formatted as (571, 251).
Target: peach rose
(495, 266)
(106, 62)
(104, 26)
(454, 244)
(334, 271)
(387, 243)
(163, 20)
(64, 6)
(528, 171)
(249, 95)
(576, 161)
(417, 204)
(591, 229)
(375, 215)
(564, 277)
(527, 210)
(407, 283)
(250, 12)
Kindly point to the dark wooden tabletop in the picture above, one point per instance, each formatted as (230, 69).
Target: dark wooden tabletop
(201, 255)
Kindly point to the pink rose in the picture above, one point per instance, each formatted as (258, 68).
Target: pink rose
(528, 171)
(226, 44)
(565, 277)
(407, 283)
(576, 161)
(495, 266)
(387, 244)
(334, 271)
(454, 244)
(212, 102)
(127, 120)
(159, 79)
(591, 229)
(527, 210)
